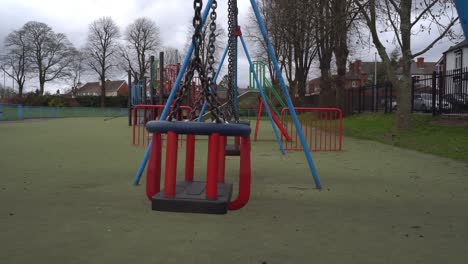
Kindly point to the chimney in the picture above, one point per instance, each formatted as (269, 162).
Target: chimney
(420, 63)
(357, 66)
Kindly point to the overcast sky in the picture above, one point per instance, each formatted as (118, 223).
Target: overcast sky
(172, 16)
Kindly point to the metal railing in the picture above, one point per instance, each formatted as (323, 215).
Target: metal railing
(13, 112)
(322, 128)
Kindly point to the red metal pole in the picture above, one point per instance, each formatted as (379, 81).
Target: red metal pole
(326, 130)
(222, 158)
(153, 173)
(244, 176)
(279, 125)
(190, 158)
(212, 167)
(171, 165)
(316, 134)
(237, 142)
(259, 115)
(341, 129)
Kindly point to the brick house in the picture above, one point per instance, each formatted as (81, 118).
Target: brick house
(113, 88)
(362, 73)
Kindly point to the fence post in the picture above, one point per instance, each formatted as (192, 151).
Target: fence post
(434, 93)
(386, 98)
(391, 95)
(145, 90)
(359, 99)
(377, 88)
(161, 78)
(20, 112)
(129, 103)
(441, 89)
(413, 82)
(152, 80)
(373, 97)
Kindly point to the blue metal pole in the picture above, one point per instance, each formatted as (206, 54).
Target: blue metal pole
(267, 107)
(202, 112)
(286, 95)
(167, 107)
(462, 9)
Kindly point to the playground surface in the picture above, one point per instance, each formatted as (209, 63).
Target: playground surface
(66, 197)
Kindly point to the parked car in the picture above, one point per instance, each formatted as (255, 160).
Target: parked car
(391, 103)
(458, 100)
(423, 102)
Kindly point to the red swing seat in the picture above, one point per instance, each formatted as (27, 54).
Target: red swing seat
(212, 196)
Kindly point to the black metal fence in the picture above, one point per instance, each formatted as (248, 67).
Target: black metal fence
(436, 93)
(371, 98)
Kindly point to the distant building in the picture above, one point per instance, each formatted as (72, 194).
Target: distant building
(455, 58)
(113, 88)
(454, 65)
(362, 73)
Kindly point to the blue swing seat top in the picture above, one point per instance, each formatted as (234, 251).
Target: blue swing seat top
(198, 128)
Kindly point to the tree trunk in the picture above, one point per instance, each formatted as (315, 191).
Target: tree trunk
(103, 92)
(41, 87)
(20, 89)
(403, 118)
(341, 49)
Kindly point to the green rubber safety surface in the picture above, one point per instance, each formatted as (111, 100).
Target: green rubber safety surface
(66, 197)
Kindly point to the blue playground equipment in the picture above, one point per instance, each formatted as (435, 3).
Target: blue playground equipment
(462, 8)
(236, 34)
(137, 93)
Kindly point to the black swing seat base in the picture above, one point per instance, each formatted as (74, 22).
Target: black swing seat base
(190, 198)
(232, 150)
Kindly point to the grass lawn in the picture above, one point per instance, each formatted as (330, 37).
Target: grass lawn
(442, 136)
(66, 197)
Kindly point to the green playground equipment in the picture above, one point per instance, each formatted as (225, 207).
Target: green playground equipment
(260, 69)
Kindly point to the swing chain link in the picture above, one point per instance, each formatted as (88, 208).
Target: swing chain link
(232, 25)
(197, 65)
(196, 38)
(211, 49)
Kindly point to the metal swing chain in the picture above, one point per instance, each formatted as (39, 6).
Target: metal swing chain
(197, 65)
(210, 61)
(232, 24)
(183, 90)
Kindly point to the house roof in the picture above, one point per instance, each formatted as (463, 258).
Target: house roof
(458, 46)
(95, 87)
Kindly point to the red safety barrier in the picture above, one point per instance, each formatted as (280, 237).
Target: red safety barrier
(322, 128)
(142, 114)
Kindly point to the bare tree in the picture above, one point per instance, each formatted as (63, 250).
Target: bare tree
(344, 20)
(290, 26)
(325, 41)
(101, 49)
(50, 52)
(172, 55)
(272, 18)
(16, 58)
(77, 69)
(141, 38)
(219, 44)
(405, 19)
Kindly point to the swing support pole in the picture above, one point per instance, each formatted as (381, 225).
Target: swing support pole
(167, 107)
